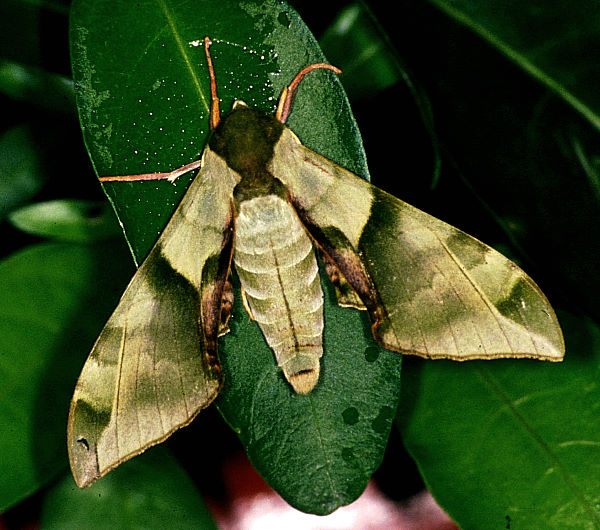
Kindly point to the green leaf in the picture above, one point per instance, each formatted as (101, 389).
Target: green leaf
(354, 43)
(53, 298)
(143, 96)
(152, 491)
(510, 443)
(36, 86)
(67, 220)
(548, 39)
(20, 168)
(317, 451)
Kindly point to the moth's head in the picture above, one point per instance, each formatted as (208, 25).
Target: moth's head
(245, 138)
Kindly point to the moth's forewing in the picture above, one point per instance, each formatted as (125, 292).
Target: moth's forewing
(155, 365)
(430, 289)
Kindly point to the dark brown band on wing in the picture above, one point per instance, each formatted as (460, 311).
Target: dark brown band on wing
(227, 300)
(342, 255)
(215, 274)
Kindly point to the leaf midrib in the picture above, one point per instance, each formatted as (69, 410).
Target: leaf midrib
(170, 18)
(496, 388)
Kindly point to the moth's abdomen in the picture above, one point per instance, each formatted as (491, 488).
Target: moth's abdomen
(276, 263)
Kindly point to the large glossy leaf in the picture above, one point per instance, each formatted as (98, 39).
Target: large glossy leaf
(143, 94)
(317, 451)
(53, 298)
(142, 90)
(510, 444)
(152, 491)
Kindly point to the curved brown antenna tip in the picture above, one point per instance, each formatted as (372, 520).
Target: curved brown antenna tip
(215, 113)
(288, 93)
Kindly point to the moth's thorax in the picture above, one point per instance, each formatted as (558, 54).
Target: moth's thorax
(245, 138)
(276, 263)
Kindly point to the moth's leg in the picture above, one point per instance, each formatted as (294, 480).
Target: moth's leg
(245, 302)
(171, 176)
(226, 306)
(346, 296)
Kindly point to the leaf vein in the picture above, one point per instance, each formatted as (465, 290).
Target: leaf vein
(184, 52)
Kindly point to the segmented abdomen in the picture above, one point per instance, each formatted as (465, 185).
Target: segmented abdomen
(276, 263)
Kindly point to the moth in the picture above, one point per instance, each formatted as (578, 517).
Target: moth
(266, 205)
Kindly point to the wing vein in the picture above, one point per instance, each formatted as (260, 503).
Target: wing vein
(450, 326)
(118, 387)
(137, 381)
(532, 335)
(154, 381)
(481, 294)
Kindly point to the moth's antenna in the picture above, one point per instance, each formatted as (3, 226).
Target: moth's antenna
(171, 176)
(288, 93)
(215, 116)
(215, 113)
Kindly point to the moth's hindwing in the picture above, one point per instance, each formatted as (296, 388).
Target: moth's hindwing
(430, 289)
(155, 365)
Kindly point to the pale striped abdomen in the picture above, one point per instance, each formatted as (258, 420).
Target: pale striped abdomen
(276, 263)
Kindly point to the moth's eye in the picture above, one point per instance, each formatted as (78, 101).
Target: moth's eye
(84, 442)
(273, 132)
